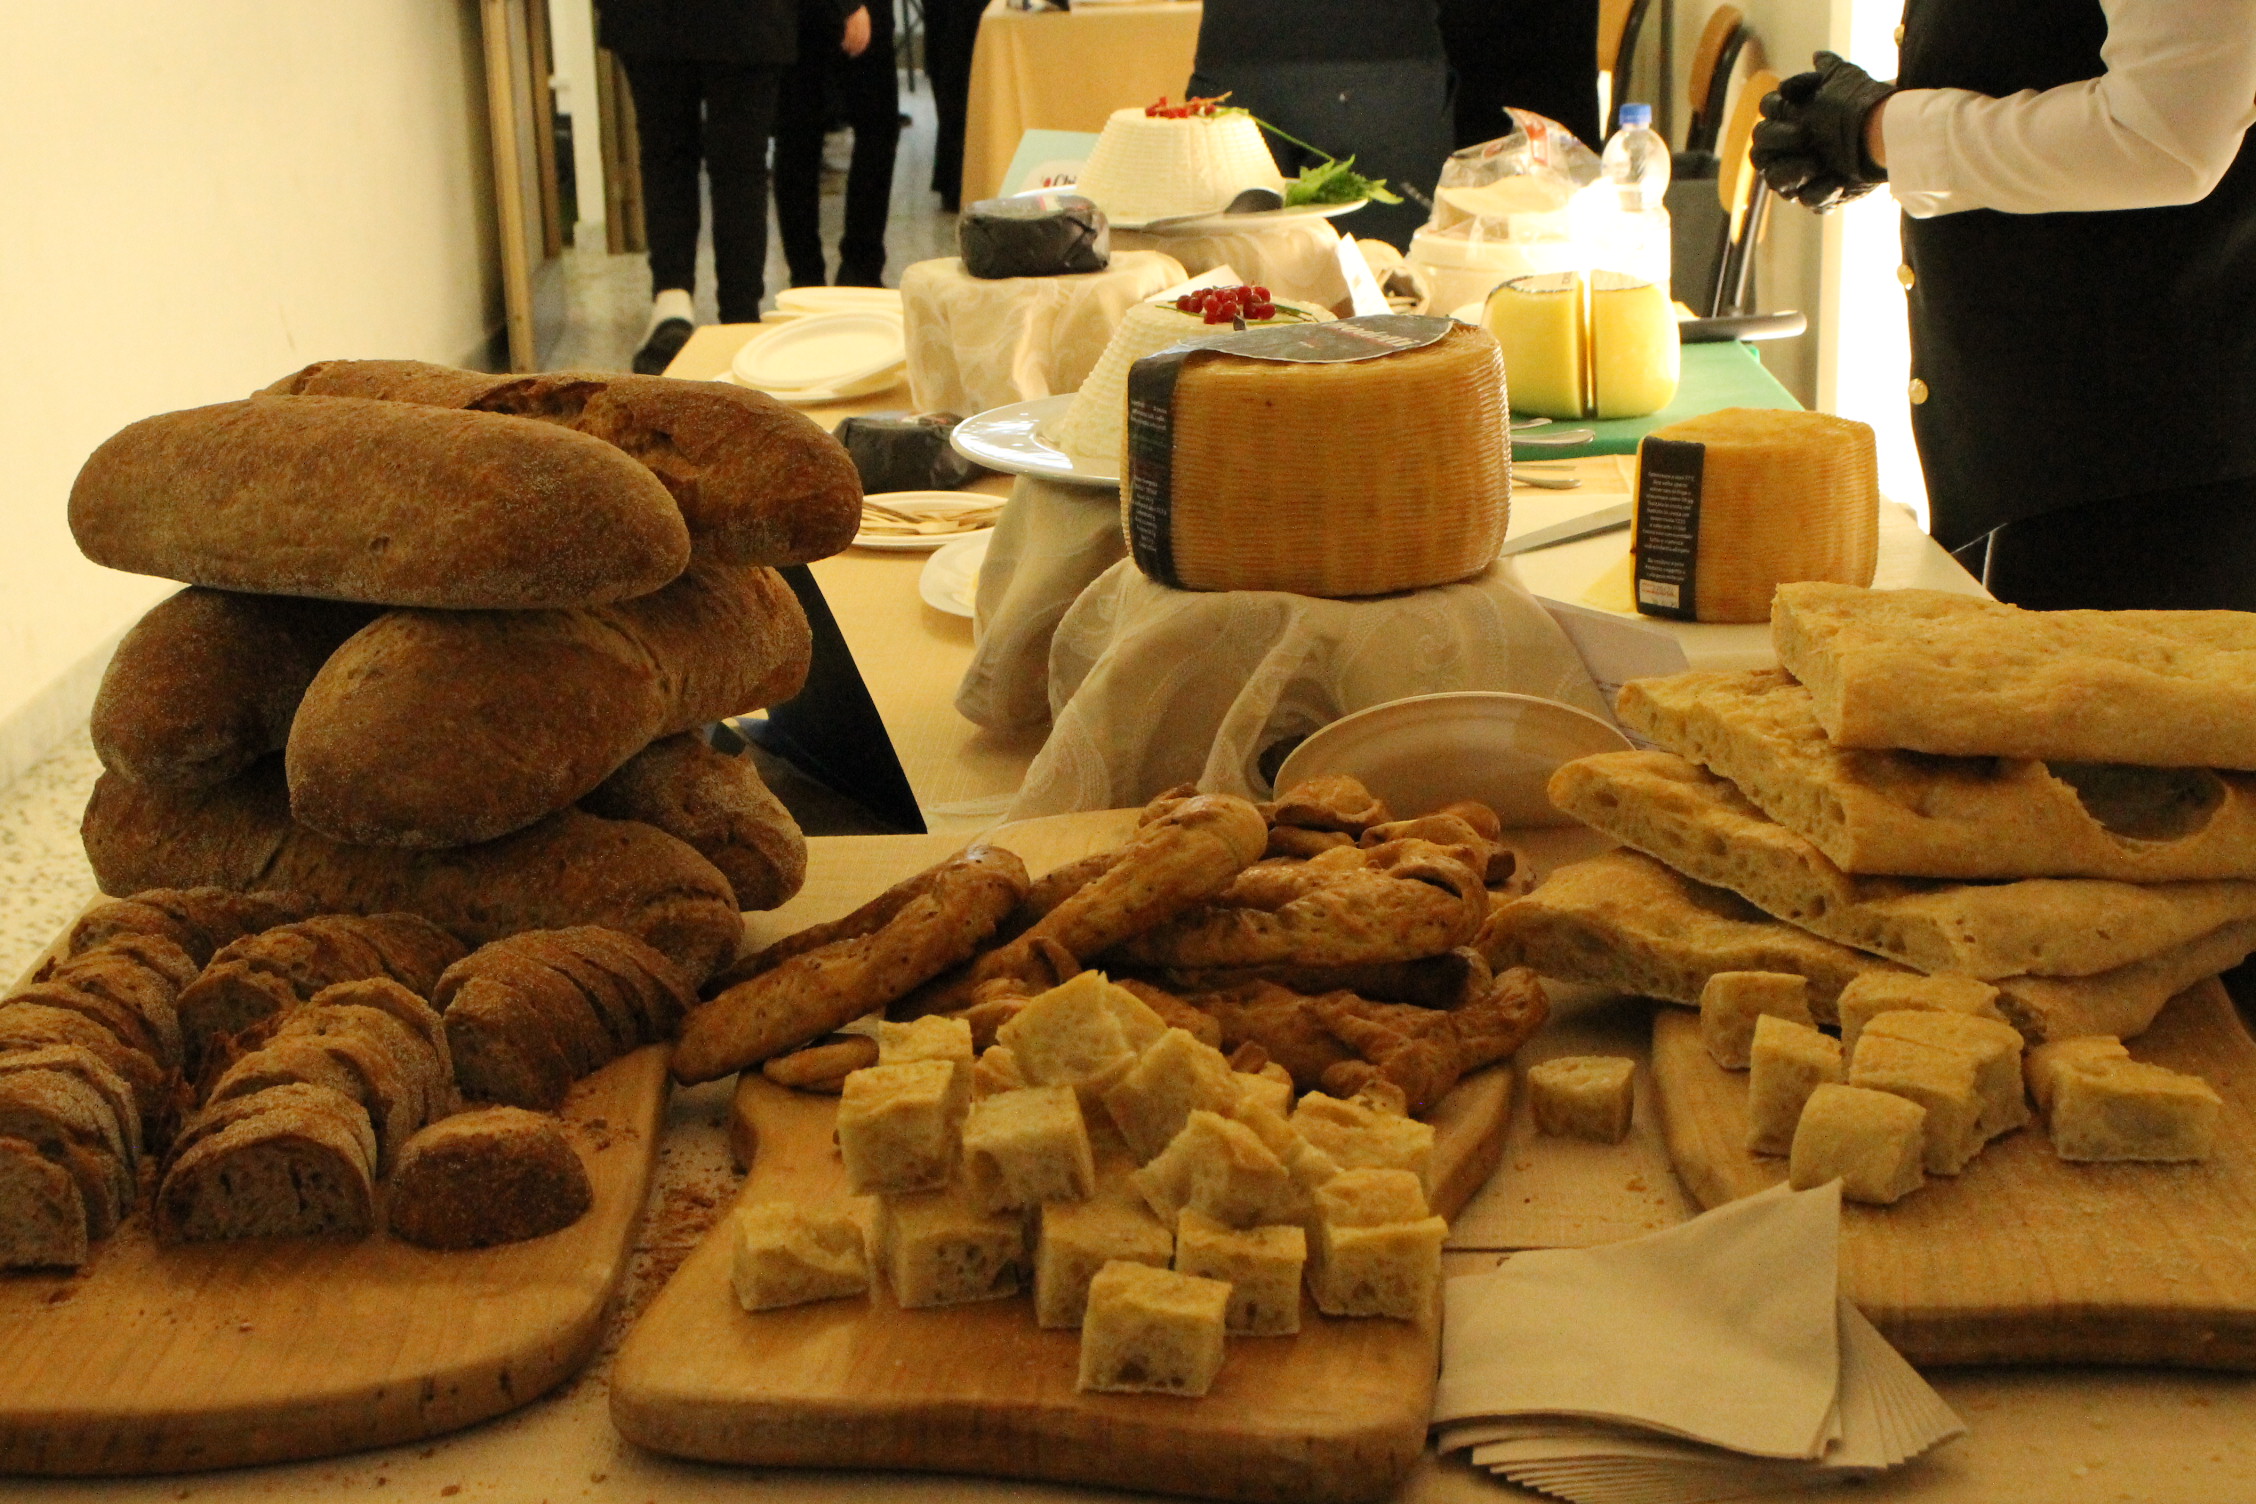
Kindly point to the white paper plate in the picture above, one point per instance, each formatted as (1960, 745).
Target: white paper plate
(920, 542)
(815, 396)
(1010, 439)
(1221, 224)
(805, 300)
(951, 575)
(1419, 753)
(823, 352)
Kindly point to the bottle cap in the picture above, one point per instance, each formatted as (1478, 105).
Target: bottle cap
(1634, 115)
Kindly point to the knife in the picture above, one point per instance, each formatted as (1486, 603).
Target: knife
(1588, 525)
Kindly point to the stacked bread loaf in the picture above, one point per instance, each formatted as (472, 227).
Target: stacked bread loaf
(448, 642)
(2055, 810)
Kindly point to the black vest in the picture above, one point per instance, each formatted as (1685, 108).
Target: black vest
(2070, 358)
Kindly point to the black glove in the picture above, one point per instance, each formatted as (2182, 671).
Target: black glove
(1810, 144)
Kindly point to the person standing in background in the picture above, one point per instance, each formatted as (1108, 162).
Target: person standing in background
(704, 74)
(1539, 55)
(2079, 192)
(951, 30)
(858, 75)
(1350, 77)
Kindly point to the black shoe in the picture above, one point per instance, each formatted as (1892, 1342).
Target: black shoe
(861, 277)
(664, 344)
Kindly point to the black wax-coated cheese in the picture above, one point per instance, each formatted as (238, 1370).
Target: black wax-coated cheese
(1034, 235)
(905, 453)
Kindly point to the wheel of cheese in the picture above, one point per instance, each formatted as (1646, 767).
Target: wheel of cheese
(1783, 496)
(1575, 346)
(1353, 478)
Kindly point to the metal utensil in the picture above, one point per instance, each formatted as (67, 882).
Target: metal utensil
(1546, 482)
(1588, 525)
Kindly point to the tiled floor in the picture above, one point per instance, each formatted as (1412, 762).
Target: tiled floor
(608, 297)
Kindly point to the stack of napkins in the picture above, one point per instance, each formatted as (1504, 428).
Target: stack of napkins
(1714, 1360)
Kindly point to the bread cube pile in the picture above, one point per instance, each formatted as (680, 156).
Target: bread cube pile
(285, 1073)
(1952, 832)
(1155, 1198)
(449, 642)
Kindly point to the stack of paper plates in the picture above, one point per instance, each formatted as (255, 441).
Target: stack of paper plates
(824, 357)
(801, 301)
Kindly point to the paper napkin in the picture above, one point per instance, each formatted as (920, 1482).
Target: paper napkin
(1714, 1360)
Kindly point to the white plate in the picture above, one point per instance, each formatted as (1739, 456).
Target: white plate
(806, 300)
(829, 352)
(951, 575)
(1419, 753)
(1010, 439)
(909, 501)
(1217, 224)
(815, 396)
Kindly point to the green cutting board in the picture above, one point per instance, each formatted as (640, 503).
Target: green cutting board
(1725, 374)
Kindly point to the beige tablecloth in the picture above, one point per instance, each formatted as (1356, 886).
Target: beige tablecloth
(1050, 542)
(1066, 71)
(980, 342)
(1152, 686)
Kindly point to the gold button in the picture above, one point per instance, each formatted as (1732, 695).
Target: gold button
(1899, 36)
(1918, 391)
(1903, 275)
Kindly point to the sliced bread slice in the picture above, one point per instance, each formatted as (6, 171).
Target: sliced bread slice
(491, 1175)
(42, 1220)
(284, 1171)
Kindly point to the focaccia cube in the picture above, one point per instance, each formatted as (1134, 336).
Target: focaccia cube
(1359, 1137)
(996, 1071)
(1789, 1061)
(897, 1127)
(2129, 1110)
(1078, 1238)
(1024, 1148)
(933, 1037)
(1224, 1169)
(1308, 1165)
(1992, 1044)
(1376, 1252)
(940, 1248)
(1731, 1001)
(1941, 1081)
(1873, 993)
(1172, 1078)
(2044, 1064)
(785, 1255)
(1261, 1265)
(1084, 1033)
(1152, 1331)
(1873, 1142)
(1271, 1087)
(1584, 1096)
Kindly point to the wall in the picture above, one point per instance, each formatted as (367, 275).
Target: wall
(198, 197)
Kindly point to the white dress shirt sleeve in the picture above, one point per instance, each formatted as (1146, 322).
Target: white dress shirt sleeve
(2160, 126)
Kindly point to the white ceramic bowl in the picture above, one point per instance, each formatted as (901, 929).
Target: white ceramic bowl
(1419, 753)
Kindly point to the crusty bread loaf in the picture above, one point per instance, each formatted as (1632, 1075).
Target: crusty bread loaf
(385, 502)
(1930, 671)
(198, 920)
(1907, 813)
(445, 728)
(397, 1069)
(205, 684)
(26, 1025)
(756, 481)
(42, 1222)
(297, 1095)
(285, 1170)
(419, 1018)
(260, 975)
(493, 1175)
(717, 804)
(569, 869)
(87, 1067)
(133, 999)
(73, 1125)
(345, 1063)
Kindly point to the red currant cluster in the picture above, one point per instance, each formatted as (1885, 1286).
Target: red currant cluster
(1223, 304)
(1189, 109)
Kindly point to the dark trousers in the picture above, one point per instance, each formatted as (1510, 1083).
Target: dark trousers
(2190, 549)
(866, 90)
(951, 29)
(718, 115)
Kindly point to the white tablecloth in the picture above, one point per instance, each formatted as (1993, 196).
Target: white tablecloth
(1151, 686)
(1292, 258)
(1050, 542)
(976, 343)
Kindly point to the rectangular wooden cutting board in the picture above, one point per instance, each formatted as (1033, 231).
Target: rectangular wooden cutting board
(165, 1359)
(2023, 1257)
(1337, 1413)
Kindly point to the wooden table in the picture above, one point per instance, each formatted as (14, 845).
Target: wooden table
(1067, 70)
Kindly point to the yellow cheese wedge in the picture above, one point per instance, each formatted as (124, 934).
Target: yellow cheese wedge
(1634, 352)
(1539, 323)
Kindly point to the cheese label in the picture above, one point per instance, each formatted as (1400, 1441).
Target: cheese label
(1670, 474)
(1147, 490)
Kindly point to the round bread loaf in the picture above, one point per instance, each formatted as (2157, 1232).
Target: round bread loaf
(494, 1175)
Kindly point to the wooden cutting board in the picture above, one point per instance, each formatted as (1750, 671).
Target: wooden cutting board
(210, 1355)
(1337, 1413)
(2023, 1257)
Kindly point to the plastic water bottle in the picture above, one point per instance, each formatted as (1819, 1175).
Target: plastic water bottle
(1636, 161)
